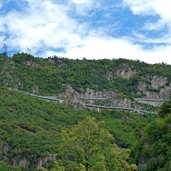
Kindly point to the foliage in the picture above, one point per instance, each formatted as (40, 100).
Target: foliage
(30, 128)
(58, 166)
(6, 167)
(23, 57)
(165, 109)
(89, 146)
(154, 150)
(52, 75)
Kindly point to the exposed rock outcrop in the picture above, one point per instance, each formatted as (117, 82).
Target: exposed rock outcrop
(157, 81)
(126, 72)
(156, 87)
(90, 96)
(56, 61)
(44, 161)
(31, 63)
(24, 163)
(121, 102)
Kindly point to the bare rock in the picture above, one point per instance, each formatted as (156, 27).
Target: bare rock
(158, 81)
(126, 72)
(24, 163)
(31, 63)
(141, 86)
(156, 87)
(44, 161)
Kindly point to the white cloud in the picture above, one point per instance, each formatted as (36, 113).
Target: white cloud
(158, 8)
(151, 7)
(155, 26)
(144, 7)
(82, 7)
(141, 38)
(46, 25)
(81, 1)
(106, 47)
(163, 9)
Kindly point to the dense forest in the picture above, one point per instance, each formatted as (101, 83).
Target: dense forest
(153, 151)
(31, 128)
(41, 135)
(51, 76)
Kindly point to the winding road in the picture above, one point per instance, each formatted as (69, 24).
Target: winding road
(98, 107)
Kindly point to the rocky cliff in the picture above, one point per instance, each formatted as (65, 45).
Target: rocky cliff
(120, 81)
(155, 87)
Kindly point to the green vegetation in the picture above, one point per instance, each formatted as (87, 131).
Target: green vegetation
(153, 153)
(51, 76)
(40, 135)
(7, 167)
(165, 109)
(89, 146)
(30, 129)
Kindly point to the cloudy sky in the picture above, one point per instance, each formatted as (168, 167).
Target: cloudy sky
(95, 29)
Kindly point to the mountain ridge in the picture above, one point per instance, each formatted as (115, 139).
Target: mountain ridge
(30, 128)
(120, 80)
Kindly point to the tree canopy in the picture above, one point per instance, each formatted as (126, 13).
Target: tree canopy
(153, 152)
(89, 146)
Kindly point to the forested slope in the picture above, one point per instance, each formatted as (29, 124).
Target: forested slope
(30, 129)
(153, 152)
(53, 75)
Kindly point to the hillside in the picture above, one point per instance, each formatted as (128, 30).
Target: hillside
(117, 82)
(30, 128)
(153, 151)
(53, 75)
(50, 107)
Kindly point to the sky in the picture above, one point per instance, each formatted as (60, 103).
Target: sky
(91, 29)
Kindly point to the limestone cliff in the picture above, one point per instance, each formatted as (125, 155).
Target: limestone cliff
(155, 87)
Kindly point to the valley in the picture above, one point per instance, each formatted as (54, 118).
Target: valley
(48, 107)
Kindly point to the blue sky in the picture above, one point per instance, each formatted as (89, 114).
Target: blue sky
(95, 29)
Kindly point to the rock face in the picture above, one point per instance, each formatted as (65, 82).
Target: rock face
(44, 161)
(90, 96)
(122, 102)
(126, 72)
(90, 93)
(153, 87)
(56, 61)
(31, 63)
(24, 162)
(158, 81)
(156, 87)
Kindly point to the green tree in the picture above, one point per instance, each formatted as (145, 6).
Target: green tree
(165, 109)
(58, 166)
(89, 146)
(153, 153)
(7, 167)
